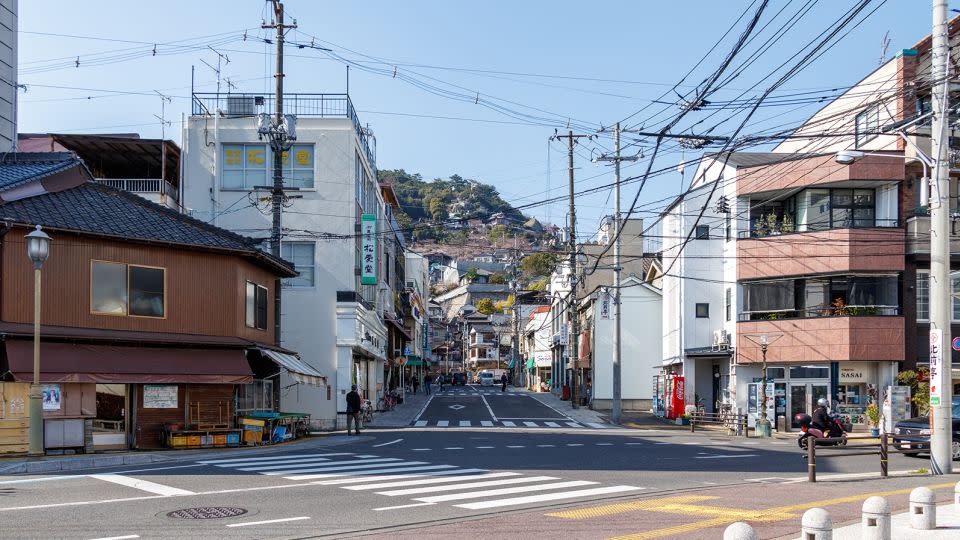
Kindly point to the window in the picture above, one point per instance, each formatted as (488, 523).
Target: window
(809, 372)
(301, 254)
(727, 304)
(728, 228)
(821, 297)
(703, 232)
(703, 311)
(298, 172)
(121, 289)
(244, 166)
(867, 125)
(256, 301)
(923, 296)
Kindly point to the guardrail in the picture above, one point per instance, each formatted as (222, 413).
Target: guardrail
(736, 424)
(881, 448)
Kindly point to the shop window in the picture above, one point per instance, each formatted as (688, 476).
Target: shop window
(776, 373)
(122, 289)
(703, 311)
(256, 302)
(301, 254)
(256, 396)
(809, 372)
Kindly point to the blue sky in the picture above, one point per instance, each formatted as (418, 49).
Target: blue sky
(591, 62)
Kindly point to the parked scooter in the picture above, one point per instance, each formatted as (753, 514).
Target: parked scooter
(836, 429)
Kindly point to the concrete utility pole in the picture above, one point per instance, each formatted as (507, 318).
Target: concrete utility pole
(280, 135)
(573, 351)
(940, 287)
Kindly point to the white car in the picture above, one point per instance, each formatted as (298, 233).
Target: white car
(486, 378)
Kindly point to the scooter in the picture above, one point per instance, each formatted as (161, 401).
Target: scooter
(836, 430)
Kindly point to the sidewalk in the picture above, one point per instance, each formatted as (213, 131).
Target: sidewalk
(948, 526)
(582, 415)
(76, 462)
(403, 414)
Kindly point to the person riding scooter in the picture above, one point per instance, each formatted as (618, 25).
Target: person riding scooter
(821, 416)
(821, 425)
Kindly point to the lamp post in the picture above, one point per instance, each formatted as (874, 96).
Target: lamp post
(762, 428)
(38, 249)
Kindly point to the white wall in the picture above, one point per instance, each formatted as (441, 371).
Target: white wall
(8, 75)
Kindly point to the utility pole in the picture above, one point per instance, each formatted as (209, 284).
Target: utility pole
(573, 350)
(281, 133)
(940, 287)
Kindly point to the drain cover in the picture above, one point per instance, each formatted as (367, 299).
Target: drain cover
(207, 512)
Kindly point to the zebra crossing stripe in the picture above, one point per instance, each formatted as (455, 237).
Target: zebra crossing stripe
(443, 423)
(465, 423)
(574, 424)
(272, 458)
(486, 423)
(358, 478)
(421, 423)
(505, 491)
(455, 487)
(288, 465)
(335, 474)
(423, 481)
(529, 499)
(279, 464)
(596, 425)
(552, 424)
(508, 423)
(366, 464)
(530, 424)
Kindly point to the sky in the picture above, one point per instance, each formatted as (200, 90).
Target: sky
(475, 89)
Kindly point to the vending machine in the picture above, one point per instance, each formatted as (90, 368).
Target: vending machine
(674, 396)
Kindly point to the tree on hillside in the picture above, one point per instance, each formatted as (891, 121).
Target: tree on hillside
(503, 305)
(497, 279)
(539, 285)
(471, 274)
(539, 264)
(499, 233)
(485, 306)
(438, 209)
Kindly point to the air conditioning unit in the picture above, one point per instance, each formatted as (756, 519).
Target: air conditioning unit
(721, 340)
(241, 106)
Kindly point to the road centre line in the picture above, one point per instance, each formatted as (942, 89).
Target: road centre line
(386, 443)
(281, 520)
(143, 485)
(490, 410)
(425, 405)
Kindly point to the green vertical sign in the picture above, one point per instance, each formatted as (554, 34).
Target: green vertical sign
(368, 249)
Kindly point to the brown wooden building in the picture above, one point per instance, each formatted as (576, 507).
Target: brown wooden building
(151, 320)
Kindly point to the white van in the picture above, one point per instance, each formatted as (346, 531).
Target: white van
(486, 378)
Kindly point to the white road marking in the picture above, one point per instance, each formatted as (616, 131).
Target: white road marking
(423, 476)
(282, 466)
(425, 405)
(420, 423)
(443, 423)
(281, 520)
(118, 537)
(574, 444)
(490, 410)
(455, 487)
(257, 465)
(465, 423)
(574, 424)
(552, 424)
(547, 497)
(143, 485)
(286, 456)
(597, 425)
(483, 447)
(516, 446)
(402, 468)
(392, 462)
(530, 424)
(486, 423)
(505, 491)
(45, 479)
(421, 449)
(422, 481)
(508, 423)
(725, 457)
(401, 506)
(545, 446)
(454, 448)
(386, 443)
(633, 443)
(604, 444)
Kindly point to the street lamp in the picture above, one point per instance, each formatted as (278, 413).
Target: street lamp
(762, 428)
(38, 249)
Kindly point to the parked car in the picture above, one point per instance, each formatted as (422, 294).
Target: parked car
(486, 378)
(458, 378)
(912, 436)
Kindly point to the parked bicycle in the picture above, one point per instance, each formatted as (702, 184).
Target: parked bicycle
(366, 412)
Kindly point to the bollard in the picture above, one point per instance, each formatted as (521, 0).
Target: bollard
(923, 509)
(816, 525)
(956, 497)
(811, 459)
(739, 531)
(875, 523)
(883, 455)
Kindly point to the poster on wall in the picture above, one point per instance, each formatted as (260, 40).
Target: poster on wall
(368, 249)
(159, 396)
(50, 395)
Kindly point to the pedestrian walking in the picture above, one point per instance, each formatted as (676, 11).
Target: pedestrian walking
(353, 409)
(440, 381)
(503, 382)
(427, 381)
(416, 384)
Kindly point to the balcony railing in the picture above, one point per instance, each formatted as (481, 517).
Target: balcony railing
(141, 185)
(830, 311)
(303, 105)
(353, 296)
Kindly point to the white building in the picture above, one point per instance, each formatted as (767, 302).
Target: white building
(329, 312)
(536, 339)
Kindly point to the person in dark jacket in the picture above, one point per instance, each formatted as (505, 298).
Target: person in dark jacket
(353, 409)
(821, 417)
(503, 382)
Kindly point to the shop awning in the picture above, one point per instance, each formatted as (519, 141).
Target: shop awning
(299, 370)
(397, 324)
(513, 362)
(79, 362)
(531, 363)
(413, 360)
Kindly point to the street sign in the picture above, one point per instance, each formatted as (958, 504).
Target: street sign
(956, 343)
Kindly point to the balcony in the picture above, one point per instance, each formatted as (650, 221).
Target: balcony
(825, 339)
(301, 105)
(143, 186)
(918, 235)
(816, 252)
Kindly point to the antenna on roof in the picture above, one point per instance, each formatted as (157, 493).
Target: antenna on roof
(884, 44)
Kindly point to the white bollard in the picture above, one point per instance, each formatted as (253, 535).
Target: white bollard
(816, 524)
(923, 509)
(875, 523)
(740, 531)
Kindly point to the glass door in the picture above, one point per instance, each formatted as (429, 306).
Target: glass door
(798, 402)
(819, 391)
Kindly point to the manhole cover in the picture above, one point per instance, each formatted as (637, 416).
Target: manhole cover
(207, 512)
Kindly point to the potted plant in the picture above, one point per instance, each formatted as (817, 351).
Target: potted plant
(787, 225)
(760, 228)
(683, 420)
(773, 224)
(873, 415)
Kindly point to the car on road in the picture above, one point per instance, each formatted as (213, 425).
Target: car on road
(912, 436)
(458, 379)
(486, 378)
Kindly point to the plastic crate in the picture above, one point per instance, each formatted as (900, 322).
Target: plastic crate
(178, 441)
(193, 440)
(219, 440)
(233, 438)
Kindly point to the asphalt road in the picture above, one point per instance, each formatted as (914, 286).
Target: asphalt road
(417, 476)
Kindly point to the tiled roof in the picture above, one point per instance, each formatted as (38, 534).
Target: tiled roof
(99, 209)
(18, 168)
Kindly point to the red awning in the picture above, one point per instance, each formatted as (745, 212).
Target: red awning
(79, 362)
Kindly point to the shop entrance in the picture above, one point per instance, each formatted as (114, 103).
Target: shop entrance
(803, 398)
(110, 425)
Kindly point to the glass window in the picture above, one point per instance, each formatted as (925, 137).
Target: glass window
(147, 291)
(816, 297)
(108, 288)
(867, 123)
(298, 172)
(256, 306)
(727, 304)
(809, 372)
(923, 296)
(955, 286)
(813, 210)
(703, 311)
(771, 299)
(702, 232)
(775, 373)
(301, 254)
(244, 166)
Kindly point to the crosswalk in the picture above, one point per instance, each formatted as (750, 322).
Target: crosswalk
(557, 423)
(421, 482)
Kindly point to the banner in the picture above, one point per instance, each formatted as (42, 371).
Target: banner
(936, 366)
(157, 396)
(368, 249)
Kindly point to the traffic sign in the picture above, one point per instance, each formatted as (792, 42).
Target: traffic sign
(956, 343)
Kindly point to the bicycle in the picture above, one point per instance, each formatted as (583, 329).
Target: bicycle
(386, 403)
(366, 412)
